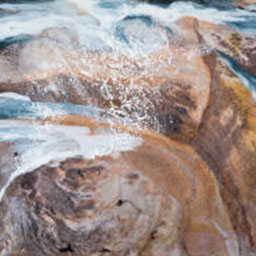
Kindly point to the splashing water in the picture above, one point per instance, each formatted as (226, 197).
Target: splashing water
(101, 17)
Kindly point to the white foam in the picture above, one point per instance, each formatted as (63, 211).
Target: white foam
(174, 12)
(14, 96)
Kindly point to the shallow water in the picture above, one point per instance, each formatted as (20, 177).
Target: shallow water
(246, 78)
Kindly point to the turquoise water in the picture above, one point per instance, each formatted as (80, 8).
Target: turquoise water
(15, 108)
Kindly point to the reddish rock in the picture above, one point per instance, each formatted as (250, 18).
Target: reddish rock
(89, 208)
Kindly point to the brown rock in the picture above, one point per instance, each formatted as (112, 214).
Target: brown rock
(226, 140)
(244, 3)
(226, 137)
(152, 200)
(90, 208)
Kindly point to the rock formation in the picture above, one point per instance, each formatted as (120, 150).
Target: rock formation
(244, 3)
(151, 200)
(187, 190)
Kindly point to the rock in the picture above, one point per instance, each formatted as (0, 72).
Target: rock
(225, 140)
(184, 90)
(229, 41)
(152, 200)
(7, 11)
(7, 161)
(244, 3)
(170, 90)
(88, 209)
